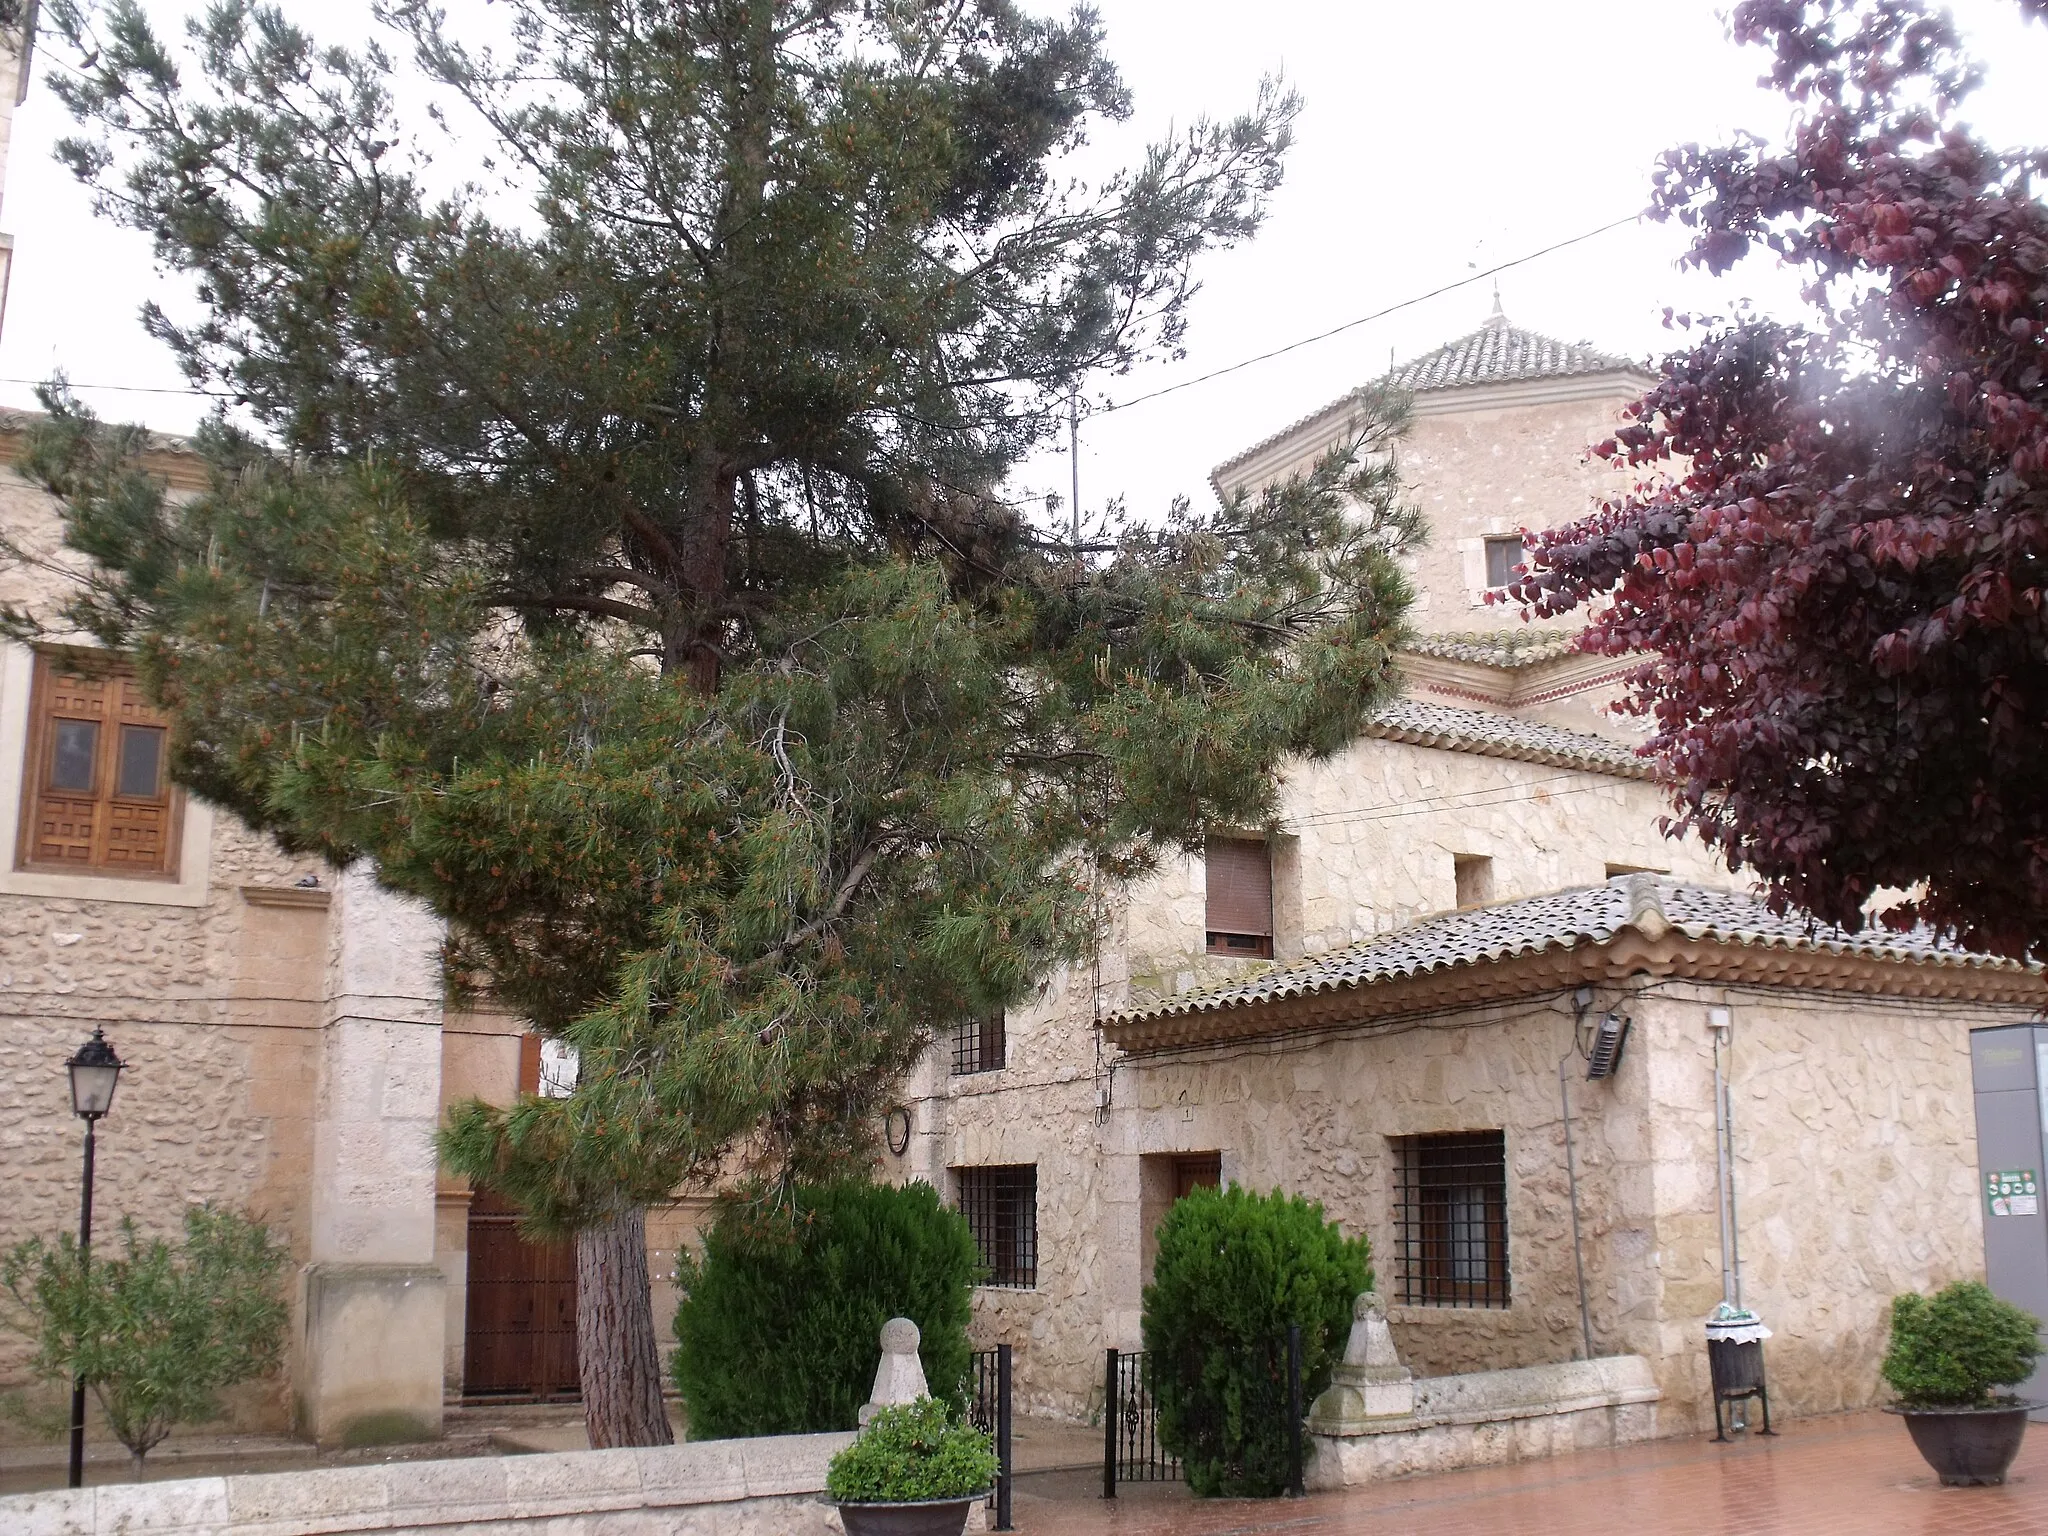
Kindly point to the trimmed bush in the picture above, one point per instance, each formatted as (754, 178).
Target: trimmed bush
(1234, 1269)
(780, 1326)
(920, 1450)
(1950, 1349)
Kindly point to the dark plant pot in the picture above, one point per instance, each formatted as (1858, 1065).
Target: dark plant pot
(1967, 1447)
(917, 1517)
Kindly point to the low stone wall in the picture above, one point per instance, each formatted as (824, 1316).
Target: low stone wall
(1484, 1418)
(762, 1487)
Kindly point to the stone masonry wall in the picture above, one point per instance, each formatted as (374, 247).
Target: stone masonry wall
(214, 1008)
(1485, 472)
(1365, 844)
(1856, 1179)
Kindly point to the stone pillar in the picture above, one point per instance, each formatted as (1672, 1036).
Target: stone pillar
(899, 1377)
(372, 1320)
(1370, 1384)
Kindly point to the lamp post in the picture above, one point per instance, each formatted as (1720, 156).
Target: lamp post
(95, 1071)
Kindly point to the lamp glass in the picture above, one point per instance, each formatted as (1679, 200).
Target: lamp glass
(94, 1072)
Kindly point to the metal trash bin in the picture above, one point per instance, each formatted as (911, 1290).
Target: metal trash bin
(1735, 1360)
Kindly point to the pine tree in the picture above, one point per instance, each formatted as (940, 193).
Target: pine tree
(632, 583)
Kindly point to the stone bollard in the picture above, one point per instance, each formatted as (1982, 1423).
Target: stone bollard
(899, 1378)
(1371, 1385)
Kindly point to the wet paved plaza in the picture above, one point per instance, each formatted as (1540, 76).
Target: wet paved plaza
(1856, 1473)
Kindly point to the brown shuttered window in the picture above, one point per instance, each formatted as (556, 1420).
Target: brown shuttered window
(96, 789)
(1240, 904)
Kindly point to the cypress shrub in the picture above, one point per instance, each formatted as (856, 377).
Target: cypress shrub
(1234, 1269)
(780, 1324)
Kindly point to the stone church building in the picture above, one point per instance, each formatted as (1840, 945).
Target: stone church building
(1388, 999)
(1458, 933)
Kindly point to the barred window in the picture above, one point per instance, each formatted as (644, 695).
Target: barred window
(1001, 1207)
(979, 1045)
(1451, 1219)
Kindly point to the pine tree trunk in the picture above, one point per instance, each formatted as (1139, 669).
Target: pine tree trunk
(617, 1359)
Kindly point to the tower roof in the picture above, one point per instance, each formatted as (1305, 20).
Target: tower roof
(1496, 353)
(1500, 353)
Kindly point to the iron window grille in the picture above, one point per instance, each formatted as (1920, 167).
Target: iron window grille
(1451, 1219)
(1001, 1207)
(980, 1045)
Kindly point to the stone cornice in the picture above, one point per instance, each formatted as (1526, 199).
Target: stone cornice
(1649, 948)
(1532, 682)
(286, 896)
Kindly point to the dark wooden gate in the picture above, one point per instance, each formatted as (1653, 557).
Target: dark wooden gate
(520, 1338)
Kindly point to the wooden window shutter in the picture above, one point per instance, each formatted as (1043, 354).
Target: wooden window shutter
(1240, 878)
(96, 791)
(529, 1063)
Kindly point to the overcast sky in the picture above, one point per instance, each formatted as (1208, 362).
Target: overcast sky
(1437, 140)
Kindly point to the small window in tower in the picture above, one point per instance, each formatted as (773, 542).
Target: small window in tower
(1503, 555)
(1239, 873)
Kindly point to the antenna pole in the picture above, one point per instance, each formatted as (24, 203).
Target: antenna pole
(1074, 464)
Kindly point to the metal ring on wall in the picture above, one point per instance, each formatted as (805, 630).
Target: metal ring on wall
(899, 1140)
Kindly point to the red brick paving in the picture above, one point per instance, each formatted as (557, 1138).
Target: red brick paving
(1856, 1473)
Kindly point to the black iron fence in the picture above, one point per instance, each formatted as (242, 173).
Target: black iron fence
(1131, 1452)
(1264, 1390)
(988, 1406)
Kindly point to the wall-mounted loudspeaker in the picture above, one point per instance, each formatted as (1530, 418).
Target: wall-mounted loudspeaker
(1609, 1036)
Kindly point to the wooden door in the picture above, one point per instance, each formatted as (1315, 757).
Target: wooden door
(520, 1334)
(1204, 1170)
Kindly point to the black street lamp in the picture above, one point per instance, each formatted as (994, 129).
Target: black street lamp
(95, 1071)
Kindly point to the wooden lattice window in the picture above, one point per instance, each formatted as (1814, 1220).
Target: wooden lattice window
(1239, 872)
(1451, 1219)
(96, 795)
(1001, 1207)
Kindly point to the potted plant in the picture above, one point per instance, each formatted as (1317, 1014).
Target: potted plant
(915, 1471)
(1948, 1351)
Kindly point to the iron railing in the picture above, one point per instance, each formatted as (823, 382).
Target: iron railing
(1135, 1388)
(988, 1407)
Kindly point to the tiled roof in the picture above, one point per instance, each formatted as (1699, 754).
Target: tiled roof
(1497, 647)
(1496, 353)
(1591, 914)
(1499, 353)
(1421, 723)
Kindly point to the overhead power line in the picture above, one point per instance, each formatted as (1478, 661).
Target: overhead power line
(1352, 325)
(1121, 405)
(133, 389)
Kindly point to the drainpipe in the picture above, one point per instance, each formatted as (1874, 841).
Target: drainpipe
(1583, 999)
(1571, 1170)
(1721, 1025)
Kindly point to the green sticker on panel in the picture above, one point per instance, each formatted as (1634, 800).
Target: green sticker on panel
(2013, 1192)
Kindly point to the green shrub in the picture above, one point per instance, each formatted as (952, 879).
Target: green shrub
(1951, 1349)
(1234, 1269)
(157, 1330)
(780, 1326)
(920, 1450)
